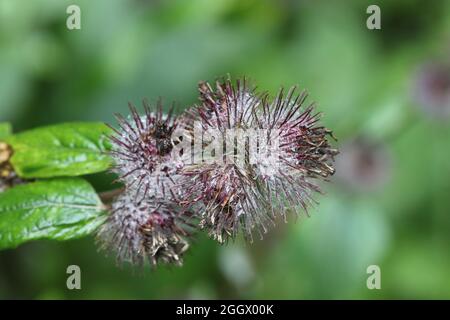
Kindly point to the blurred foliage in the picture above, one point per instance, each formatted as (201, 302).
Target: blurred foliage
(362, 80)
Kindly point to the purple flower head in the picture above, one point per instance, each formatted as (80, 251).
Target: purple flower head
(152, 229)
(264, 160)
(224, 190)
(304, 154)
(142, 148)
(235, 162)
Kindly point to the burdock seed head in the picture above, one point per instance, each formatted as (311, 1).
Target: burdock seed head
(303, 154)
(267, 155)
(152, 229)
(222, 186)
(237, 161)
(142, 148)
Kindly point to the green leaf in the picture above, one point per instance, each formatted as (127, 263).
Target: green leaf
(60, 209)
(5, 130)
(69, 149)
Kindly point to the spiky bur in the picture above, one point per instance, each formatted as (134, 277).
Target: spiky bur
(226, 194)
(242, 194)
(229, 180)
(303, 153)
(153, 229)
(141, 152)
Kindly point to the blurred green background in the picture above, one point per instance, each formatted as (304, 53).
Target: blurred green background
(385, 93)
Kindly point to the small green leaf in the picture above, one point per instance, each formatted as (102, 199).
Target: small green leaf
(5, 130)
(69, 149)
(59, 209)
